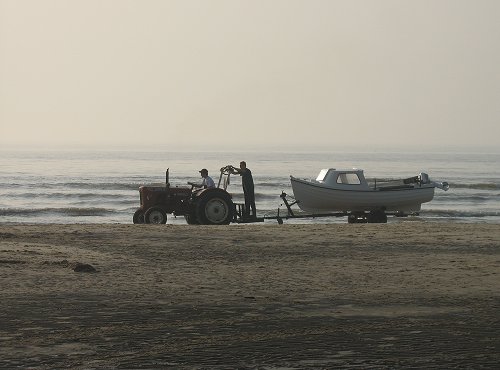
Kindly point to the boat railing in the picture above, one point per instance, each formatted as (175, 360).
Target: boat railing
(387, 184)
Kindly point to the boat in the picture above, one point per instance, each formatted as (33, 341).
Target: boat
(348, 191)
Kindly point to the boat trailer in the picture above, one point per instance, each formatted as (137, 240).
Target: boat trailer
(375, 216)
(290, 214)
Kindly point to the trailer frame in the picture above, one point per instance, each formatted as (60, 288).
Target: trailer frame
(377, 216)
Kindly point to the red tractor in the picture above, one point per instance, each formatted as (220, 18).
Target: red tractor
(199, 206)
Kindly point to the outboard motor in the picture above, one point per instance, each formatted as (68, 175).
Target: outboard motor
(424, 178)
(442, 185)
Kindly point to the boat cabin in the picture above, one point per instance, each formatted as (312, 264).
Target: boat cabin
(343, 179)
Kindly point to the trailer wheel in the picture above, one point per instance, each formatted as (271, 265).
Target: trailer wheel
(155, 215)
(214, 208)
(377, 217)
(351, 219)
(138, 217)
(356, 218)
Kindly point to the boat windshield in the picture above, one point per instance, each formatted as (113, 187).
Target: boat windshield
(348, 178)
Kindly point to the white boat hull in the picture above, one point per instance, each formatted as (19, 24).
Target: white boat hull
(319, 198)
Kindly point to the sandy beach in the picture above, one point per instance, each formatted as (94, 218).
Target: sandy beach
(398, 295)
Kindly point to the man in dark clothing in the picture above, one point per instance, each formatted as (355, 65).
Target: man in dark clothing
(248, 189)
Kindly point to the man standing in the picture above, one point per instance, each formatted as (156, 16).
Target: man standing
(248, 189)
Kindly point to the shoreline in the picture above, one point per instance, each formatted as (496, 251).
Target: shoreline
(409, 294)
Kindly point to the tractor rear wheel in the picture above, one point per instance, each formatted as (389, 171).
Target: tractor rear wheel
(214, 208)
(155, 215)
(138, 217)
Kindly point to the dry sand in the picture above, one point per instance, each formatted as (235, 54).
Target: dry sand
(407, 294)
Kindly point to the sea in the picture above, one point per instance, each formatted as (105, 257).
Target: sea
(101, 186)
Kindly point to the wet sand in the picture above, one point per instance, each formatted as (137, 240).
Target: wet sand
(398, 295)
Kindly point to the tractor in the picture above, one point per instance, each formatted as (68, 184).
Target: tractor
(199, 206)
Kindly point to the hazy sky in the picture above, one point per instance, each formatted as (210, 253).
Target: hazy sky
(218, 73)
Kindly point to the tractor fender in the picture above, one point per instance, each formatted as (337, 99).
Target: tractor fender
(201, 192)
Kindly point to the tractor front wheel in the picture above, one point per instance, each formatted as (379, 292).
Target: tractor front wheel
(155, 215)
(138, 217)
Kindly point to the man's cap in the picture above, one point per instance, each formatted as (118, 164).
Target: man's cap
(203, 170)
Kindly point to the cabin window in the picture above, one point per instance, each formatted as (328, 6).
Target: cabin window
(348, 179)
(322, 175)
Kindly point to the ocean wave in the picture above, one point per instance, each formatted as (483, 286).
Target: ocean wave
(70, 212)
(59, 195)
(449, 197)
(92, 185)
(460, 213)
(477, 186)
(279, 185)
(259, 197)
(78, 185)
